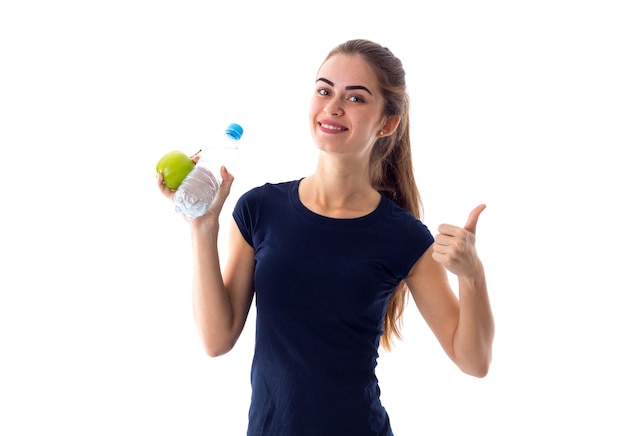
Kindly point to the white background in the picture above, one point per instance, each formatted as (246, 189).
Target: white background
(520, 105)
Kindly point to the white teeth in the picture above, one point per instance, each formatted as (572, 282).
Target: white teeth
(327, 126)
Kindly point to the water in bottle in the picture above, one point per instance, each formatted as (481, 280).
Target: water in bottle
(197, 191)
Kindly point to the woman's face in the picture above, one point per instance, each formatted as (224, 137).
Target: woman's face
(347, 106)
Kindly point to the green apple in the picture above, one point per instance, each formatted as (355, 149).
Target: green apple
(174, 166)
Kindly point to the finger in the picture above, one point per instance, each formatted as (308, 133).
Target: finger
(444, 239)
(441, 257)
(472, 220)
(224, 188)
(227, 177)
(438, 257)
(448, 230)
(160, 181)
(161, 185)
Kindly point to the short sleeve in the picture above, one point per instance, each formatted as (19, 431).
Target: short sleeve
(245, 213)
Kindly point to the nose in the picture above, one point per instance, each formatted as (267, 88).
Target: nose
(333, 107)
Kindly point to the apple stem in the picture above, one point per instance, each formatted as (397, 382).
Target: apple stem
(195, 154)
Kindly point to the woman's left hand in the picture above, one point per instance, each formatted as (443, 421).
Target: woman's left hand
(455, 248)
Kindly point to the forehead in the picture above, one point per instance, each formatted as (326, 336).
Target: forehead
(345, 70)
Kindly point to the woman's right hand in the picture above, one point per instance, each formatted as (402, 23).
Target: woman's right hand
(222, 193)
(167, 192)
(220, 197)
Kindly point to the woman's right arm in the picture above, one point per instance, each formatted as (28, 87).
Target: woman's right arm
(221, 302)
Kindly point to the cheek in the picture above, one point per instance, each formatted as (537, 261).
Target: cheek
(314, 107)
(366, 126)
(315, 110)
(312, 116)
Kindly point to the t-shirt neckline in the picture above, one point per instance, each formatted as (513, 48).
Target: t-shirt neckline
(322, 219)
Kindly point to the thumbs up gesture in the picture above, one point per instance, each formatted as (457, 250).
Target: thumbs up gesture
(455, 248)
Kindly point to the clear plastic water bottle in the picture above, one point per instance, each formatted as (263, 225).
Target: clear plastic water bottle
(197, 191)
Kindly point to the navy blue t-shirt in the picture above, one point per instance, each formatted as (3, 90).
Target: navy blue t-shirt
(321, 287)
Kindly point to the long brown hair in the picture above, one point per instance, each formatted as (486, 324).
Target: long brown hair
(391, 165)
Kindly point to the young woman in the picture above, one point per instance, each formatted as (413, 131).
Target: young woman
(331, 259)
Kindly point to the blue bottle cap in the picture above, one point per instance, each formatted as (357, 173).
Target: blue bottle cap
(235, 131)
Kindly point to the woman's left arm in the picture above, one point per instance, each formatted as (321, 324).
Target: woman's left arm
(463, 325)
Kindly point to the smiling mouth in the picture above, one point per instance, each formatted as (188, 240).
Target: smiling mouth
(332, 127)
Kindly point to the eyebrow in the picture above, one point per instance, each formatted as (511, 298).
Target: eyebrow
(349, 88)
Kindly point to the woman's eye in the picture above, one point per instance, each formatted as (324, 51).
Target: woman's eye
(323, 91)
(356, 99)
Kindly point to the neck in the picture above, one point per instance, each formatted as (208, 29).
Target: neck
(340, 190)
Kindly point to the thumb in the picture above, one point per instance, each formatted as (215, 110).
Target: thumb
(224, 188)
(223, 191)
(472, 220)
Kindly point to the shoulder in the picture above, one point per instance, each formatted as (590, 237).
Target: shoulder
(267, 191)
(406, 232)
(402, 218)
(267, 194)
(261, 206)
(272, 188)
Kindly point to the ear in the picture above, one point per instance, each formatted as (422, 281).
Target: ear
(390, 125)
